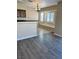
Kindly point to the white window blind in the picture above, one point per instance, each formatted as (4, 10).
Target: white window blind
(47, 16)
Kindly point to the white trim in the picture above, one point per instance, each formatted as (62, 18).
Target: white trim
(57, 34)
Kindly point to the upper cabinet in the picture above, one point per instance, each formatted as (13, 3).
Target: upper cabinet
(21, 13)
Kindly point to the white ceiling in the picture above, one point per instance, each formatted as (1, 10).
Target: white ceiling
(42, 3)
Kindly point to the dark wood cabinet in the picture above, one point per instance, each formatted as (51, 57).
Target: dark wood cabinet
(21, 13)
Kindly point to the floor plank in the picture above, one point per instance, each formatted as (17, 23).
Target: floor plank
(46, 46)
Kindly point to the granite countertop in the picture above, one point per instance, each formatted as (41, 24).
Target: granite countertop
(27, 20)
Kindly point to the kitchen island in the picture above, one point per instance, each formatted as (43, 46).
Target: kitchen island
(26, 29)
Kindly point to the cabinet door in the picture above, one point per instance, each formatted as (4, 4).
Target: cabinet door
(18, 13)
(21, 13)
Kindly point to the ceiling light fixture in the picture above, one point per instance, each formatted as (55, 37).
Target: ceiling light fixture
(38, 8)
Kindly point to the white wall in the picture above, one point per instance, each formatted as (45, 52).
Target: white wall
(58, 22)
(26, 30)
(31, 14)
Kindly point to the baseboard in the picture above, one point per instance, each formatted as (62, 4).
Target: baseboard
(57, 34)
(26, 37)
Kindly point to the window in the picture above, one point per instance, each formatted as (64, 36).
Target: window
(47, 16)
(42, 16)
(52, 16)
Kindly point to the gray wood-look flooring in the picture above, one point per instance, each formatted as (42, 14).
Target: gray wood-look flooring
(46, 47)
